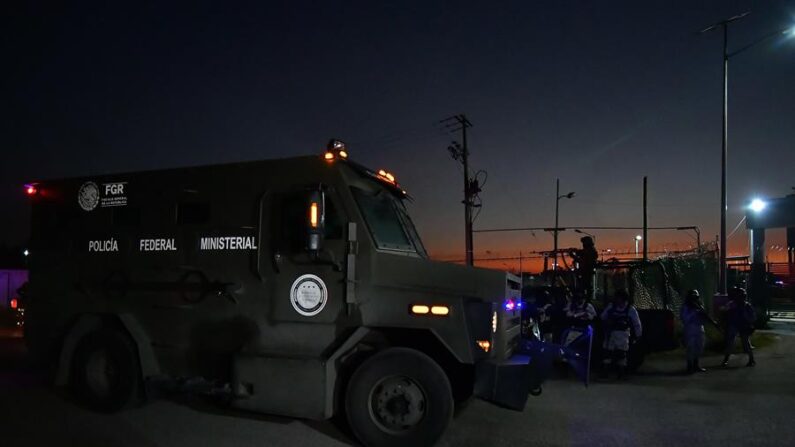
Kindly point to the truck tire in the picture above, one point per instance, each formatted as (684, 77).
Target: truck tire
(399, 397)
(106, 375)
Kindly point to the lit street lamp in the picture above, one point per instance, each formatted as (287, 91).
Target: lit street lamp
(724, 25)
(557, 208)
(638, 238)
(757, 205)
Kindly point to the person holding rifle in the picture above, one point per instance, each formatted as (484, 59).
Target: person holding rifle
(585, 265)
(740, 318)
(693, 318)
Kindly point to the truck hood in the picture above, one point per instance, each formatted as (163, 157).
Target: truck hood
(440, 278)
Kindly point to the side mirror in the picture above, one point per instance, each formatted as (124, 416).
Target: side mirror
(316, 215)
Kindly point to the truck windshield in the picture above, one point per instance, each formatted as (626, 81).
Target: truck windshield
(388, 221)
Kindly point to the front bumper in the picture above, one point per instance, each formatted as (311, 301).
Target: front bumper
(508, 383)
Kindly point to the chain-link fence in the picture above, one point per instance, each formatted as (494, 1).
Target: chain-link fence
(662, 283)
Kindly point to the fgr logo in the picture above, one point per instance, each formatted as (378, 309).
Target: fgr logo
(113, 194)
(88, 196)
(114, 189)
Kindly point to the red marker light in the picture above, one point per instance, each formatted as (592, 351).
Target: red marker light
(14, 303)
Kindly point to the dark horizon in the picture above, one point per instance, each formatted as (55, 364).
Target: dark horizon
(598, 96)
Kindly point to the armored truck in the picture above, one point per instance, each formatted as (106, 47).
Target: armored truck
(300, 284)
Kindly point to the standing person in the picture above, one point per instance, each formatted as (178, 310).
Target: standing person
(557, 312)
(693, 318)
(620, 318)
(585, 259)
(579, 313)
(545, 305)
(740, 317)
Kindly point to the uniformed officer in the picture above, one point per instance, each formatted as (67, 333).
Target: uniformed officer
(620, 318)
(740, 318)
(580, 313)
(585, 259)
(693, 318)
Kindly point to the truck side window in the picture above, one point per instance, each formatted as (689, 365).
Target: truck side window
(193, 213)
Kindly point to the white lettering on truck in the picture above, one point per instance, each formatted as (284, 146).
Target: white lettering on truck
(114, 188)
(157, 245)
(228, 243)
(102, 246)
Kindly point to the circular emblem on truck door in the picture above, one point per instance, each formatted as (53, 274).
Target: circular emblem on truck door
(308, 295)
(88, 196)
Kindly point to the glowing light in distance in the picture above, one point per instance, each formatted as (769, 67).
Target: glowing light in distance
(329, 156)
(31, 189)
(757, 205)
(343, 154)
(484, 345)
(14, 303)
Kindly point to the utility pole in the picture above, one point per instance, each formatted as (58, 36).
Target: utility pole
(461, 153)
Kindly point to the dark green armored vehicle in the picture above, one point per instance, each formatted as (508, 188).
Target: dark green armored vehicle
(299, 284)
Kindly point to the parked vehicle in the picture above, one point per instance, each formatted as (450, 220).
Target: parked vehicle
(300, 285)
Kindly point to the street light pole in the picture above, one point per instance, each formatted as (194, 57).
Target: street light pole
(724, 25)
(724, 151)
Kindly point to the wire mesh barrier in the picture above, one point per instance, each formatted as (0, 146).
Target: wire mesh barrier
(661, 283)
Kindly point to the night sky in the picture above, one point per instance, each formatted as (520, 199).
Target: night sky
(596, 93)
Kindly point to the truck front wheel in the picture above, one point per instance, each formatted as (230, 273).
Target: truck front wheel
(399, 397)
(105, 371)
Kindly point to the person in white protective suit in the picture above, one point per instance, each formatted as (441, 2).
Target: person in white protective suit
(621, 323)
(693, 318)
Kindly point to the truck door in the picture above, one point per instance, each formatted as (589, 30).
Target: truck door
(306, 286)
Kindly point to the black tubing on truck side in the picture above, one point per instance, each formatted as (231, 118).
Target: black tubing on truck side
(377, 385)
(105, 373)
